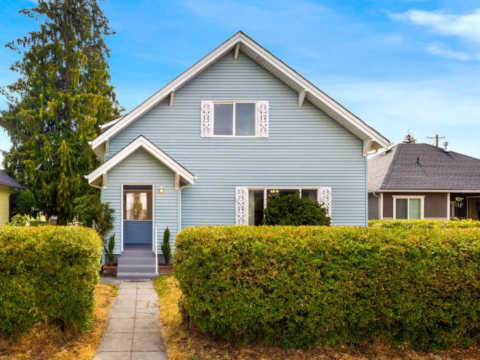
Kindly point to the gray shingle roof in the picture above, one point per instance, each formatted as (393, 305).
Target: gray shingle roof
(8, 181)
(436, 169)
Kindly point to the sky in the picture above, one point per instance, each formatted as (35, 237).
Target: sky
(397, 64)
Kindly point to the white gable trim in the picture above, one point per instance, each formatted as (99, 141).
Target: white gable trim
(141, 142)
(284, 72)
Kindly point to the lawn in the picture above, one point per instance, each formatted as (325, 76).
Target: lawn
(184, 342)
(48, 342)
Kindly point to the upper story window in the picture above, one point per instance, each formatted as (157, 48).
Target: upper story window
(234, 119)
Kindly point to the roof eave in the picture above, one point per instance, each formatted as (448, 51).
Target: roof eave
(333, 108)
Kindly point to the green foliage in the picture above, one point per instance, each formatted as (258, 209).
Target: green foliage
(55, 108)
(38, 223)
(292, 210)
(302, 286)
(47, 274)
(91, 212)
(19, 220)
(424, 224)
(166, 249)
(22, 202)
(109, 250)
(409, 138)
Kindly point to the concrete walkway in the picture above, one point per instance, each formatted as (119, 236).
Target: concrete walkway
(133, 330)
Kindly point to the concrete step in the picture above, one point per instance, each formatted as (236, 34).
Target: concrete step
(134, 261)
(138, 253)
(140, 268)
(133, 275)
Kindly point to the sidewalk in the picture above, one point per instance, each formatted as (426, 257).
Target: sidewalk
(133, 331)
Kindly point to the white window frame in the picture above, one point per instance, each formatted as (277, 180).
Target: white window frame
(234, 118)
(265, 188)
(408, 197)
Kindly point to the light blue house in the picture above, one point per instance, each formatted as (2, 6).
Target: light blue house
(214, 144)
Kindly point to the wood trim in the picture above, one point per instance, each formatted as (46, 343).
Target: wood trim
(301, 97)
(237, 50)
(210, 59)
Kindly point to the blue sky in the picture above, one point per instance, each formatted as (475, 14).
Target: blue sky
(399, 65)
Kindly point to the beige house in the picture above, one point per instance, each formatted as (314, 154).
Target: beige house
(6, 183)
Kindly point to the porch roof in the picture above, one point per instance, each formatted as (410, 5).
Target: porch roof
(99, 174)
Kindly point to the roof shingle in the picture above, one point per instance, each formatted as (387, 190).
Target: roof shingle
(422, 167)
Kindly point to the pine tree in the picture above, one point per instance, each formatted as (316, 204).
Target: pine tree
(409, 138)
(56, 106)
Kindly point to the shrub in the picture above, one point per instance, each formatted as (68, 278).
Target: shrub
(22, 202)
(91, 212)
(301, 286)
(39, 223)
(19, 220)
(424, 224)
(166, 250)
(47, 274)
(291, 209)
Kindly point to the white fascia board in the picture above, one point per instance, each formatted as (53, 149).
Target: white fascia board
(152, 150)
(110, 123)
(212, 58)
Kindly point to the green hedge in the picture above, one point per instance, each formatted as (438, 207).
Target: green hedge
(301, 286)
(426, 224)
(47, 274)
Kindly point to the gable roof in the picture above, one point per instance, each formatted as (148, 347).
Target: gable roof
(436, 169)
(141, 142)
(373, 140)
(8, 181)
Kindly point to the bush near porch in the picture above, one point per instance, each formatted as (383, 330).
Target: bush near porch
(425, 224)
(302, 286)
(47, 274)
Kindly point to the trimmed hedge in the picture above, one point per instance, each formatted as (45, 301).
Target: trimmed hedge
(301, 286)
(47, 274)
(426, 224)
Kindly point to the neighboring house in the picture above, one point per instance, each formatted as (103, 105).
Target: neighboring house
(214, 144)
(421, 181)
(6, 183)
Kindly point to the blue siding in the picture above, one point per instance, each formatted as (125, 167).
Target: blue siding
(137, 232)
(142, 168)
(305, 147)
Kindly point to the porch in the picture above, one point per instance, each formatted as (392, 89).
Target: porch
(465, 206)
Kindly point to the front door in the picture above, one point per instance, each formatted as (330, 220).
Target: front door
(137, 214)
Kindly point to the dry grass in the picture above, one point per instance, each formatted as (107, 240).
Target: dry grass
(187, 343)
(48, 342)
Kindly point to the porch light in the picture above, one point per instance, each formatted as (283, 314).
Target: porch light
(160, 190)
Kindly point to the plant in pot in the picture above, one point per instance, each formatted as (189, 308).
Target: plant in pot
(167, 253)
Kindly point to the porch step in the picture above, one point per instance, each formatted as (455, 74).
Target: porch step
(137, 268)
(133, 275)
(138, 254)
(123, 260)
(136, 262)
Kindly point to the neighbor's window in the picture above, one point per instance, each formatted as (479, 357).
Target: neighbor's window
(256, 199)
(408, 208)
(234, 119)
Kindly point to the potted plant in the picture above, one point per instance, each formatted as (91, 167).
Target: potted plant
(166, 268)
(458, 202)
(110, 269)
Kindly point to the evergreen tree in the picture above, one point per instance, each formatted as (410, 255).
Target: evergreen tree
(56, 106)
(409, 138)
